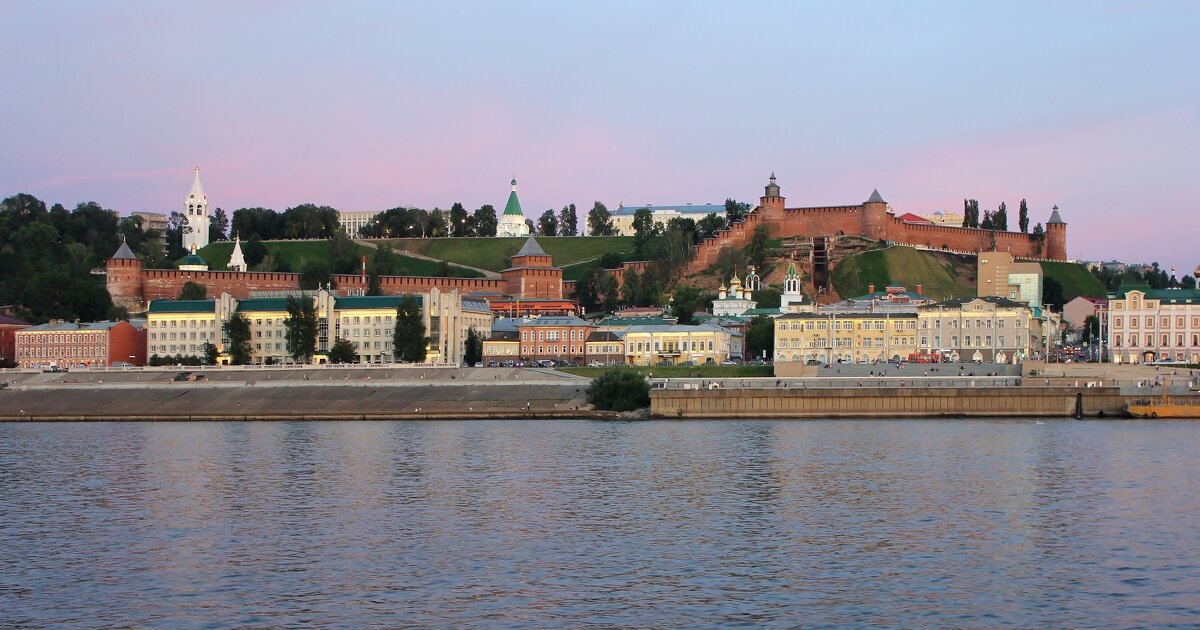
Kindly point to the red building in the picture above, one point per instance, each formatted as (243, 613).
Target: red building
(94, 344)
(8, 339)
(554, 338)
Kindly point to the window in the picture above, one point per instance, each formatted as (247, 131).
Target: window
(1117, 322)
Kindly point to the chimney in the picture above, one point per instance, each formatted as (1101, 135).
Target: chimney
(870, 288)
(920, 289)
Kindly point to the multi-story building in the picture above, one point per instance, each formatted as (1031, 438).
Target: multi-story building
(987, 328)
(554, 338)
(733, 301)
(352, 222)
(1076, 312)
(1144, 324)
(1000, 276)
(675, 344)
(8, 339)
(184, 326)
(607, 347)
(622, 217)
(93, 344)
(844, 336)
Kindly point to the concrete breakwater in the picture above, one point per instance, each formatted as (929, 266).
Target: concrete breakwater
(191, 401)
(888, 402)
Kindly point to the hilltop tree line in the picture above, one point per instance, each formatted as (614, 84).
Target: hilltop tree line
(997, 220)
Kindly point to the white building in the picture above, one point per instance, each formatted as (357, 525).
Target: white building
(792, 300)
(733, 301)
(352, 222)
(195, 210)
(512, 222)
(237, 262)
(622, 217)
(1144, 324)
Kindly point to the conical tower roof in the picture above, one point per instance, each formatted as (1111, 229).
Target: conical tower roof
(875, 197)
(236, 259)
(513, 207)
(531, 248)
(197, 191)
(1055, 218)
(123, 252)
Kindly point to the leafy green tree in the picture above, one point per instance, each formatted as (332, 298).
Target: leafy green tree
(315, 274)
(484, 221)
(237, 329)
(611, 292)
(254, 251)
(619, 390)
(686, 301)
(209, 351)
(193, 291)
(589, 288)
(1052, 293)
(1000, 218)
(310, 221)
(473, 347)
(644, 229)
(408, 339)
(710, 225)
(1039, 237)
(531, 226)
(757, 250)
(300, 329)
(373, 286)
(1188, 282)
(768, 297)
(970, 213)
(600, 221)
(730, 262)
(263, 223)
(458, 220)
(344, 253)
(343, 351)
(438, 224)
(1023, 217)
(630, 287)
(548, 224)
(568, 221)
(611, 260)
(760, 336)
(987, 223)
(218, 226)
(736, 211)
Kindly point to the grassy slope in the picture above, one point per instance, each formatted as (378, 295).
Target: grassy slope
(296, 252)
(897, 265)
(1075, 279)
(684, 371)
(493, 253)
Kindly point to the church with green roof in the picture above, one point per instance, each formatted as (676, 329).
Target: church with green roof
(512, 222)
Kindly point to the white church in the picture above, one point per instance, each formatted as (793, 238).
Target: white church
(195, 210)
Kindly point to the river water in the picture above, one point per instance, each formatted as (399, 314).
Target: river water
(922, 523)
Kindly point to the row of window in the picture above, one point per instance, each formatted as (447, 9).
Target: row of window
(553, 335)
(202, 335)
(847, 342)
(176, 323)
(1165, 340)
(1163, 322)
(671, 346)
(74, 338)
(52, 352)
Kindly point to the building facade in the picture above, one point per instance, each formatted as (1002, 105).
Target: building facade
(1144, 325)
(554, 339)
(846, 336)
(622, 217)
(675, 345)
(66, 345)
(353, 222)
(732, 301)
(184, 326)
(998, 275)
(988, 328)
(8, 339)
(195, 211)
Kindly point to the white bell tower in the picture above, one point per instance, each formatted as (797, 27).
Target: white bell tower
(195, 210)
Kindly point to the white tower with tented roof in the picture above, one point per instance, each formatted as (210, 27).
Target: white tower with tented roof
(195, 210)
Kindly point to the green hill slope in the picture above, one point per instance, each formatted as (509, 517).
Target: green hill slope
(1075, 279)
(493, 253)
(297, 252)
(943, 276)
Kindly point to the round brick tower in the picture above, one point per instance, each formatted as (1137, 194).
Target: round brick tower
(1056, 236)
(123, 278)
(874, 217)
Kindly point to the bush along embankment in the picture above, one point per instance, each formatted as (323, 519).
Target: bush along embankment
(619, 390)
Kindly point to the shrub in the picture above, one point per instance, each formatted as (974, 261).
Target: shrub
(619, 390)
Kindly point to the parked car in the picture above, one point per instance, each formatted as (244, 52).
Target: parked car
(478, 364)
(596, 364)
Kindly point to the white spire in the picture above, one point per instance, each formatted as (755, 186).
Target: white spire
(236, 261)
(197, 191)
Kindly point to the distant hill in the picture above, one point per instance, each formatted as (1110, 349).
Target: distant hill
(942, 275)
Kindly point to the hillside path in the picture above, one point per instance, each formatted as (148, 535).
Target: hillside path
(486, 273)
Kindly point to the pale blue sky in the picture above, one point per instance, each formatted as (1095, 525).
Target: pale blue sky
(360, 105)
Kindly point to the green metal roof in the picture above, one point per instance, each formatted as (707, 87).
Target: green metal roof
(262, 304)
(182, 306)
(1166, 296)
(192, 259)
(635, 321)
(372, 301)
(513, 207)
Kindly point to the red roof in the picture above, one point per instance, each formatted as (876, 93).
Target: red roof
(909, 217)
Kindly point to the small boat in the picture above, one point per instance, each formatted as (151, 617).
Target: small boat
(1180, 407)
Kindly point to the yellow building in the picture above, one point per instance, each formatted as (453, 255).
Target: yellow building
(844, 337)
(655, 344)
